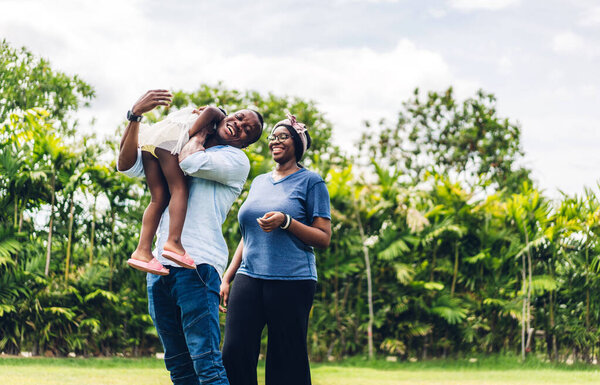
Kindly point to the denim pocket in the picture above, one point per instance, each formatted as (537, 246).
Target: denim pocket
(199, 273)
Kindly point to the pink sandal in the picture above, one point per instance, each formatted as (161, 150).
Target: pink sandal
(182, 260)
(153, 267)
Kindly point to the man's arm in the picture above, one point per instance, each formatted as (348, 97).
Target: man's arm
(225, 165)
(236, 261)
(128, 150)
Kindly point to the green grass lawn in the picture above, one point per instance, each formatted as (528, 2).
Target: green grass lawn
(117, 371)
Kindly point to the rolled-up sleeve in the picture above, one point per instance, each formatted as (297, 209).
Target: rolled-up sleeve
(223, 164)
(137, 170)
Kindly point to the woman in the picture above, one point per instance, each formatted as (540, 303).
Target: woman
(285, 215)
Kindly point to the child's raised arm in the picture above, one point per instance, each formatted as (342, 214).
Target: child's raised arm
(204, 125)
(208, 117)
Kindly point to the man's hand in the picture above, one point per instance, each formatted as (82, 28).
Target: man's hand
(195, 144)
(150, 100)
(270, 221)
(129, 140)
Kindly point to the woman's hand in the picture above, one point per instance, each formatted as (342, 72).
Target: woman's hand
(271, 220)
(224, 294)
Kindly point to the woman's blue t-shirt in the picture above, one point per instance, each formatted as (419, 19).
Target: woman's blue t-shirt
(279, 254)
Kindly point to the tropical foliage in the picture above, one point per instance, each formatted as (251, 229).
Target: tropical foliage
(442, 245)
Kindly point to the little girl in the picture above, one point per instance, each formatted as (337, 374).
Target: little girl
(160, 144)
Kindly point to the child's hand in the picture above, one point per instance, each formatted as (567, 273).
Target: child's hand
(220, 114)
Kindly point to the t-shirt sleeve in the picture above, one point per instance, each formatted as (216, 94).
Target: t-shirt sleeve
(227, 166)
(137, 170)
(317, 202)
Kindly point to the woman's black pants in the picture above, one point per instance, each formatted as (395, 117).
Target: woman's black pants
(284, 307)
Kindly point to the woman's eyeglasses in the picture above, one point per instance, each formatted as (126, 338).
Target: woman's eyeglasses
(279, 138)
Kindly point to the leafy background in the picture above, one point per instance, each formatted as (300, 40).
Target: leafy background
(442, 244)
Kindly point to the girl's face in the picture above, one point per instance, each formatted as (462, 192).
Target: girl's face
(282, 150)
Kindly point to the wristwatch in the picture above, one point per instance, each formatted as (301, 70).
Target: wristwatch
(133, 118)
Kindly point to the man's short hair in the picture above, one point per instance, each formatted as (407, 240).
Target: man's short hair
(260, 128)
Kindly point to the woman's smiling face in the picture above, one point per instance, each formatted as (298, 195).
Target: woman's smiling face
(282, 150)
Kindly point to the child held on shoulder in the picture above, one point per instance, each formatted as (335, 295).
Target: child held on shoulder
(161, 144)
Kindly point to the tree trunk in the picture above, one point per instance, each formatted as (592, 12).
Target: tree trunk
(529, 290)
(433, 261)
(49, 248)
(20, 220)
(112, 248)
(20, 225)
(455, 273)
(16, 211)
(523, 277)
(93, 232)
(587, 290)
(526, 323)
(70, 237)
(369, 283)
(343, 307)
(554, 354)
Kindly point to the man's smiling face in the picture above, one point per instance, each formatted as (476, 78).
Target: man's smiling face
(239, 129)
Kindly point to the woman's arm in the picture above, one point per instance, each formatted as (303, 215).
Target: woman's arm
(236, 261)
(318, 234)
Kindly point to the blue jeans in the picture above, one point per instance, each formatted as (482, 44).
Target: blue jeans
(184, 306)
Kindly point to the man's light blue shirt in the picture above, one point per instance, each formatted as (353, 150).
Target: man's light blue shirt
(218, 177)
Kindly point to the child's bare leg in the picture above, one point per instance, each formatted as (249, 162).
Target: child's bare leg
(159, 192)
(179, 197)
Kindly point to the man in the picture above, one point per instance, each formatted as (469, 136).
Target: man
(184, 304)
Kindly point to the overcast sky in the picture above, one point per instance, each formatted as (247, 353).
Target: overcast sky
(358, 59)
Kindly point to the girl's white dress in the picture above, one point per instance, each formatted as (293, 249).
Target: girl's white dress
(171, 133)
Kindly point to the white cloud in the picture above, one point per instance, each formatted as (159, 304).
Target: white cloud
(568, 43)
(342, 2)
(561, 151)
(591, 17)
(123, 47)
(436, 13)
(351, 85)
(122, 53)
(588, 91)
(505, 65)
(491, 5)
